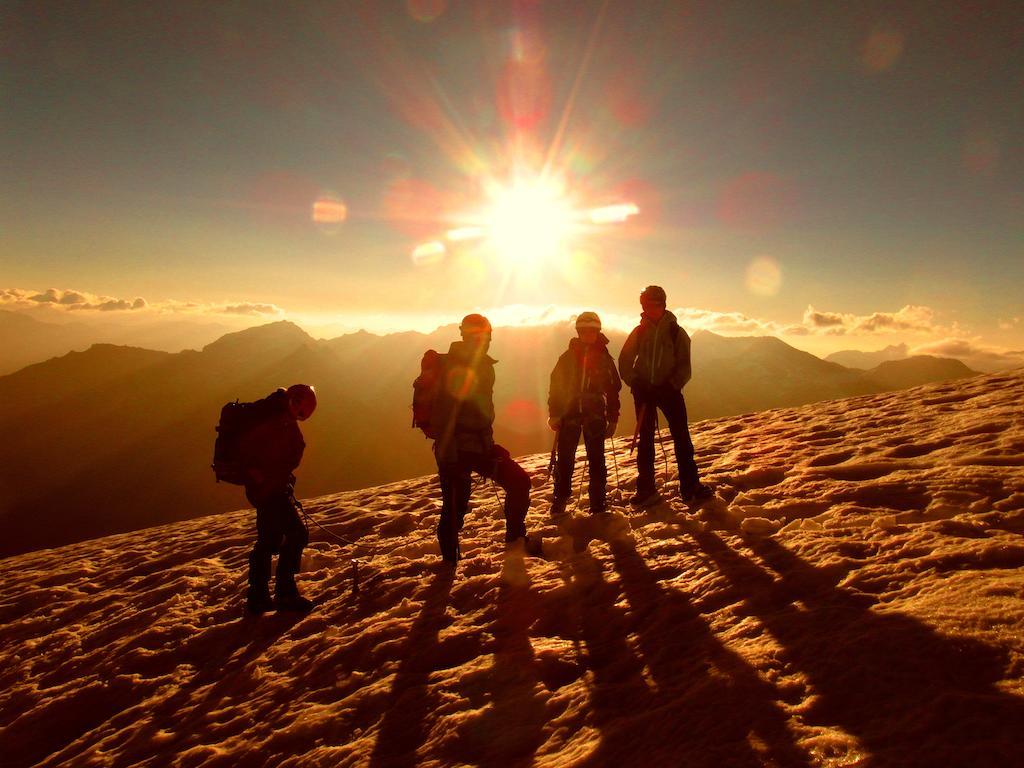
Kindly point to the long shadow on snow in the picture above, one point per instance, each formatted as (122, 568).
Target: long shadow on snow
(909, 695)
(221, 656)
(510, 726)
(404, 728)
(709, 707)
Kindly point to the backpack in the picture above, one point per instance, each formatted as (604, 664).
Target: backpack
(236, 420)
(424, 392)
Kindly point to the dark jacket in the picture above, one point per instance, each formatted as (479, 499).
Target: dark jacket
(273, 448)
(464, 409)
(585, 382)
(656, 354)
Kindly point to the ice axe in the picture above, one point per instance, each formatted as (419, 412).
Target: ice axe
(554, 453)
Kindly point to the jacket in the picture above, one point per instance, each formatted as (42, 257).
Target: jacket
(273, 448)
(656, 354)
(464, 408)
(585, 382)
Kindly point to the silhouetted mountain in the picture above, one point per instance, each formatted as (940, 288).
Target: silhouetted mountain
(853, 358)
(742, 374)
(115, 438)
(24, 340)
(267, 340)
(920, 369)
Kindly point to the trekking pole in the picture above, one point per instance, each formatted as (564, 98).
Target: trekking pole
(664, 455)
(579, 493)
(554, 453)
(615, 463)
(636, 432)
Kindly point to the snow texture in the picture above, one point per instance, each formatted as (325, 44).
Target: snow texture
(852, 597)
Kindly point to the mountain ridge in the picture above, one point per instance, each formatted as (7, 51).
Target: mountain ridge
(130, 442)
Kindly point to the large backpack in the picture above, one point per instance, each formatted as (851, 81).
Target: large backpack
(424, 392)
(236, 420)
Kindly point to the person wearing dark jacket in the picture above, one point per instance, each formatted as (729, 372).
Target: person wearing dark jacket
(464, 414)
(583, 399)
(271, 452)
(655, 365)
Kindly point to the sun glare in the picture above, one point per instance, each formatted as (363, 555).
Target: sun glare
(529, 223)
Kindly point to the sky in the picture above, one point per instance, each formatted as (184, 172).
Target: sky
(843, 175)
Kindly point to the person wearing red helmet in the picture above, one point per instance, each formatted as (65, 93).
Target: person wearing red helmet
(271, 452)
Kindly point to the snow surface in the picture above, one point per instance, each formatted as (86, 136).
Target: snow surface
(854, 597)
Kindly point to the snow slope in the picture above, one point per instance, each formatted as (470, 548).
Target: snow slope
(881, 626)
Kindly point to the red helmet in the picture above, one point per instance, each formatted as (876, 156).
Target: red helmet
(302, 399)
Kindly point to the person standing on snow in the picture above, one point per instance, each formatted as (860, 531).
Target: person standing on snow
(655, 365)
(583, 399)
(463, 413)
(271, 450)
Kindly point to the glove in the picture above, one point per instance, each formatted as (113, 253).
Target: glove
(555, 423)
(609, 431)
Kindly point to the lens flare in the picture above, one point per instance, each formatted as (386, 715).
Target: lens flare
(462, 234)
(613, 214)
(426, 10)
(523, 416)
(764, 277)
(329, 212)
(428, 254)
(882, 50)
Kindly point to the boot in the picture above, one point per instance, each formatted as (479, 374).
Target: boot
(532, 546)
(258, 602)
(558, 505)
(696, 494)
(640, 499)
(293, 602)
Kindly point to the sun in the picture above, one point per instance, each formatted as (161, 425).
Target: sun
(529, 223)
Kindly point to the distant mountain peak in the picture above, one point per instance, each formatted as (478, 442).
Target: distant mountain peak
(278, 334)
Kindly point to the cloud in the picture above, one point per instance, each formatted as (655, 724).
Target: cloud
(724, 322)
(815, 319)
(909, 319)
(251, 309)
(973, 353)
(113, 305)
(61, 300)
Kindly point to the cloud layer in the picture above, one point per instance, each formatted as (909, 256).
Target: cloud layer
(911, 318)
(974, 353)
(62, 299)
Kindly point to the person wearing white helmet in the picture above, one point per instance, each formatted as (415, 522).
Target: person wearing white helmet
(655, 365)
(583, 399)
(271, 451)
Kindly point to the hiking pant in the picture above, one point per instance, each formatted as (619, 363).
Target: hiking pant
(670, 402)
(279, 530)
(593, 429)
(456, 486)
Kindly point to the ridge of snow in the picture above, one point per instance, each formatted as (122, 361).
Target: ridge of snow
(853, 597)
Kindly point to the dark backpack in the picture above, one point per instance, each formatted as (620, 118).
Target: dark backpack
(425, 390)
(236, 420)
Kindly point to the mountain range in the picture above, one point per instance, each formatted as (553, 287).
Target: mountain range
(119, 438)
